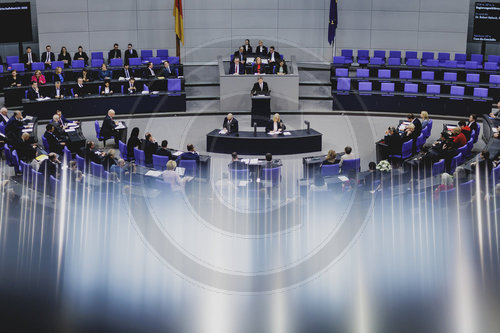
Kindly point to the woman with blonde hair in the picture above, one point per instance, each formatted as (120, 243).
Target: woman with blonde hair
(276, 125)
(424, 115)
(171, 177)
(331, 158)
(38, 77)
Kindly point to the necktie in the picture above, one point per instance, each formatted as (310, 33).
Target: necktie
(126, 73)
(48, 57)
(29, 57)
(236, 70)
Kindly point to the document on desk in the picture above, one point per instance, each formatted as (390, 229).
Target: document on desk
(343, 178)
(69, 129)
(180, 171)
(287, 133)
(223, 131)
(27, 130)
(154, 173)
(120, 126)
(245, 160)
(28, 118)
(177, 153)
(254, 161)
(145, 92)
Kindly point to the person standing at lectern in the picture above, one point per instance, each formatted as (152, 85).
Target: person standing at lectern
(230, 124)
(276, 125)
(260, 87)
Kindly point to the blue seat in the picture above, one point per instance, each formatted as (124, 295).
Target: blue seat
(365, 86)
(376, 61)
(97, 170)
(118, 62)
(411, 88)
(18, 67)
(413, 62)
(162, 54)
(54, 185)
(174, 85)
(476, 137)
(38, 180)
(379, 54)
(46, 144)
(438, 168)
(460, 58)
(457, 91)
(344, 84)
(97, 55)
(387, 87)
(494, 58)
(26, 170)
(8, 154)
(494, 79)
(173, 60)
(490, 66)
(339, 60)
(67, 154)
(431, 63)
(159, 162)
(420, 141)
(472, 78)
(363, 57)
(427, 130)
(140, 157)
(96, 62)
(37, 66)
(271, 176)
(477, 57)
(80, 163)
(405, 74)
(122, 147)
(146, 54)
(347, 165)
(481, 92)
(98, 133)
(384, 73)
(451, 64)
(470, 145)
(455, 161)
(433, 89)
(11, 60)
(134, 61)
(348, 56)
(15, 162)
(78, 64)
(330, 170)
(426, 56)
(362, 72)
(406, 151)
(442, 58)
(2, 128)
(450, 76)
(341, 72)
(395, 54)
(155, 60)
(428, 75)
(472, 65)
(239, 174)
(56, 64)
(190, 167)
(394, 62)
(410, 55)
(496, 174)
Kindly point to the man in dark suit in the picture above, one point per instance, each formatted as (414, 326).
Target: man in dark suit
(273, 56)
(417, 123)
(57, 91)
(240, 54)
(29, 57)
(269, 162)
(26, 151)
(115, 53)
(163, 151)
(230, 124)
(130, 53)
(80, 90)
(108, 128)
(236, 164)
(55, 145)
(91, 154)
(261, 49)
(50, 166)
(4, 118)
(62, 119)
(127, 72)
(393, 141)
(48, 57)
(149, 72)
(58, 128)
(260, 87)
(34, 92)
(13, 128)
(191, 154)
(473, 124)
(150, 148)
(235, 68)
(247, 47)
(80, 55)
(168, 71)
(131, 87)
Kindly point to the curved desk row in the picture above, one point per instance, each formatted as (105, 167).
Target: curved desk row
(95, 105)
(492, 144)
(245, 143)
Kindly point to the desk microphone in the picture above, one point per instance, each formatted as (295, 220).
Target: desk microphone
(308, 125)
(254, 129)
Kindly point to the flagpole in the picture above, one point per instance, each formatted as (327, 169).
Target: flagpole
(178, 47)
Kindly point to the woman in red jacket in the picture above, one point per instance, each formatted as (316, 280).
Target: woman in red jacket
(38, 77)
(459, 139)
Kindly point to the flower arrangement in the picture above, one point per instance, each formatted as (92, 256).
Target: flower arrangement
(384, 166)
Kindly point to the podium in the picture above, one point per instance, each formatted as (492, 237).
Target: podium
(261, 110)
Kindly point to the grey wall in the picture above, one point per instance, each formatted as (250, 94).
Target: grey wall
(218, 27)
(8, 49)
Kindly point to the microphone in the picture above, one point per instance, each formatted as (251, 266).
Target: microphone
(254, 129)
(308, 125)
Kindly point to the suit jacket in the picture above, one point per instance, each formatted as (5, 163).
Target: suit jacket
(261, 51)
(164, 152)
(112, 54)
(473, 127)
(54, 144)
(11, 80)
(4, 120)
(58, 131)
(394, 142)
(82, 55)
(242, 56)
(270, 126)
(126, 87)
(256, 88)
(149, 149)
(51, 56)
(32, 94)
(62, 92)
(127, 55)
(147, 73)
(188, 156)
(34, 58)
(277, 69)
(108, 127)
(164, 72)
(277, 56)
(237, 165)
(48, 168)
(248, 48)
(418, 127)
(232, 127)
(232, 68)
(92, 155)
(131, 73)
(62, 57)
(13, 130)
(80, 91)
(25, 151)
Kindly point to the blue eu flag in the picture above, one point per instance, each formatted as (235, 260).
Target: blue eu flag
(332, 23)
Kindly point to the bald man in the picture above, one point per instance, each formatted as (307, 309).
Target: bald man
(108, 128)
(230, 124)
(4, 118)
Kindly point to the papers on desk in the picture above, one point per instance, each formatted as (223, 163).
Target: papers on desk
(250, 59)
(155, 92)
(403, 126)
(69, 129)
(223, 131)
(145, 92)
(28, 118)
(287, 133)
(275, 133)
(449, 128)
(343, 178)
(259, 74)
(180, 171)
(42, 98)
(177, 153)
(254, 161)
(154, 173)
(27, 130)
(120, 126)
(245, 160)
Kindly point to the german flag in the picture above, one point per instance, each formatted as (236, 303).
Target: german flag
(179, 24)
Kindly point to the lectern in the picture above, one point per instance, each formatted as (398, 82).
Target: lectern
(261, 109)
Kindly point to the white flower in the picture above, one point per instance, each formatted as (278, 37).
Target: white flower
(384, 165)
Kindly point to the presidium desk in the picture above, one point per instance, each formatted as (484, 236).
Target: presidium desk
(260, 143)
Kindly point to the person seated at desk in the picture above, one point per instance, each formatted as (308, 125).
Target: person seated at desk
(57, 91)
(14, 80)
(270, 163)
(104, 73)
(230, 124)
(29, 57)
(235, 68)
(122, 169)
(86, 76)
(260, 87)
(65, 57)
(465, 129)
(191, 154)
(106, 88)
(59, 75)
(59, 131)
(347, 156)
(109, 159)
(55, 145)
(13, 128)
(50, 166)
(115, 53)
(171, 177)
(130, 53)
(273, 56)
(240, 54)
(132, 88)
(80, 55)
(34, 91)
(39, 78)
(458, 137)
(91, 154)
(410, 134)
(418, 125)
(330, 158)
(127, 72)
(26, 151)
(163, 150)
(168, 71)
(247, 47)
(133, 142)
(393, 141)
(80, 90)
(62, 119)
(261, 49)
(424, 115)
(275, 125)
(149, 72)
(319, 184)
(150, 147)
(4, 118)
(258, 67)
(48, 56)
(496, 114)
(236, 164)
(281, 68)
(473, 123)
(108, 128)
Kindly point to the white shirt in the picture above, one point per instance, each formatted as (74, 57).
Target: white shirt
(275, 126)
(261, 86)
(127, 75)
(5, 117)
(106, 90)
(29, 58)
(152, 72)
(272, 57)
(58, 92)
(48, 57)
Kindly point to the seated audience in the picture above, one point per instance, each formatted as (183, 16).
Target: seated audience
(48, 56)
(50, 166)
(258, 67)
(59, 129)
(240, 54)
(127, 72)
(149, 72)
(80, 90)
(424, 115)
(80, 55)
(34, 92)
(163, 150)
(106, 89)
(39, 78)
(459, 139)
(393, 141)
(270, 163)
(247, 47)
(109, 159)
(86, 76)
(281, 68)
(91, 154)
(191, 154)
(273, 56)
(4, 118)
(236, 164)
(108, 127)
(122, 169)
(130, 53)
(29, 57)
(410, 134)
(465, 129)
(133, 142)
(65, 57)
(171, 177)
(235, 68)
(276, 125)
(473, 123)
(230, 124)
(261, 49)
(58, 75)
(13, 128)
(62, 119)
(150, 147)
(418, 125)
(104, 73)
(14, 80)
(330, 158)
(57, 91)
(496, 114)
(115, 53)
(26, 151)
(132, 88)
(347, 156)
(55, 145)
